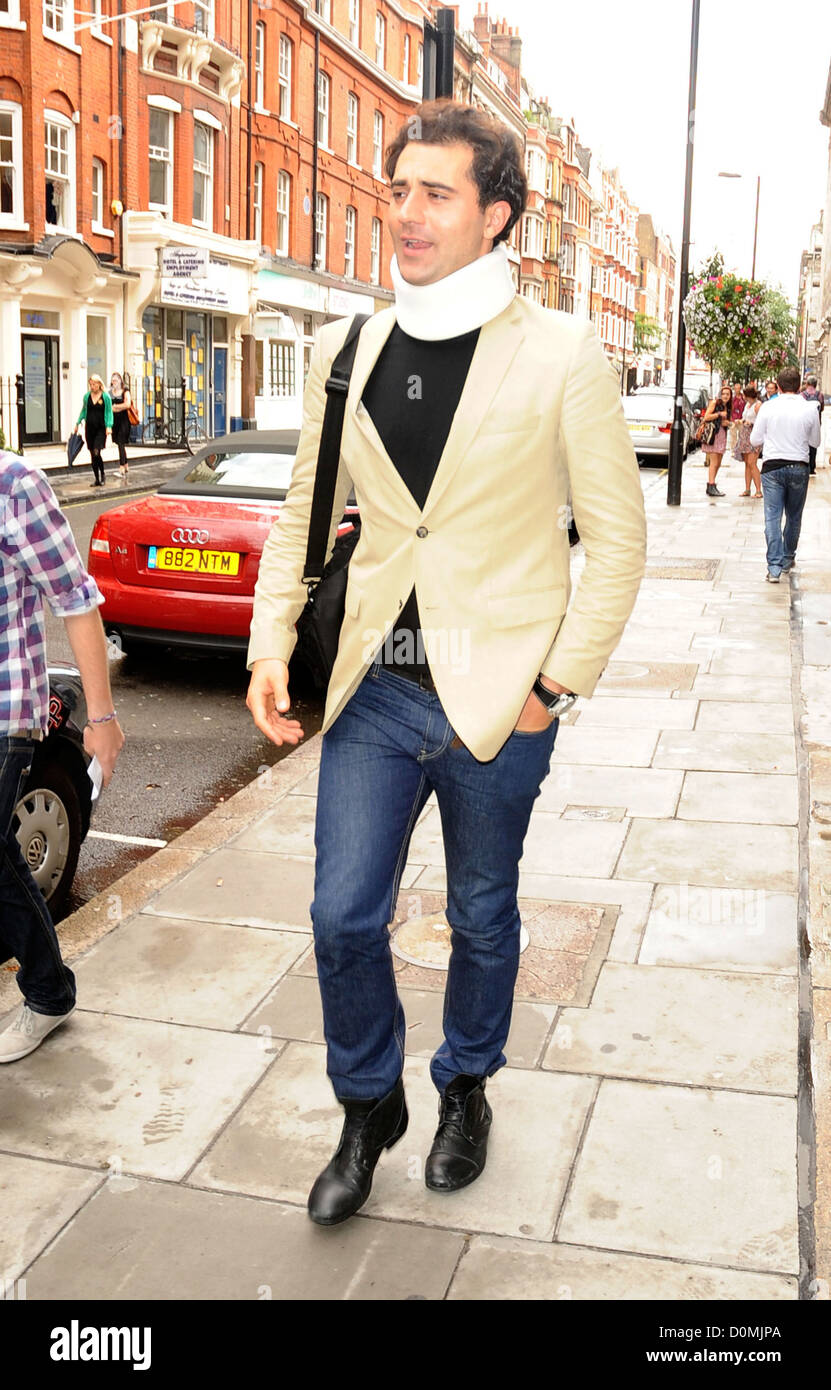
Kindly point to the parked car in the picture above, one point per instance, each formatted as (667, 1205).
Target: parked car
(649, 415)
(52, 816)
(179, 568)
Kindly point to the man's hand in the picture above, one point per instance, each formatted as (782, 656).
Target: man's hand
(268, 701)
(104, 742)
(534, 716)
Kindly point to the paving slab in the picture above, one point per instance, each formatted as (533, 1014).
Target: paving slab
(288, 1129)
(244, 889)
(159, 1241)
(692, 1027)
(505, 1269)
(205, 973)
(610, 711)
(37, 1199)
(706, 1176)
(641, 678)
(145, 1096)
(615, 747)
(754, 798)
(722, 929)
(713, 751)
(293, 1010)
(760, 689)
(740, 717)
(639, 791)
(554, 846)
(731, 856)
(772, 665)
(287, 830)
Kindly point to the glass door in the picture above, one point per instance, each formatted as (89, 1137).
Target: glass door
(40, 390)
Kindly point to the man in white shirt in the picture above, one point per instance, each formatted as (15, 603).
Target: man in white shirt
(787, 427)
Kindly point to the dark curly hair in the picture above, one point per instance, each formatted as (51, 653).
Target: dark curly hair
(497, 154)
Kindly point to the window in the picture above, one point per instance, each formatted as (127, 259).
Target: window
(11, 163)
(97, 193)
(259, 66)
(281, 369)
(406, 72)
(532, 236)
(283, 207)
(10, 13)
(352, 128)
(420, 64)
(258, 204)
(321, 230)
(375, 252)
(161, 160)
(323, 110)
(378, 145)
(355, 21)
(203, 170)
(546, 248)
(59, 169)
(285, 77)
(324, 9)
(380, 38)
(57, 17)
(349, 243)
(203, 16)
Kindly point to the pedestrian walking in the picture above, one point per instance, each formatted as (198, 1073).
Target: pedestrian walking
(814, 398)
(786, 428)
(714, 425)
(771, 391)
(39, 559)
(744, 451)
(121, 402)
(97, 419)
(471, 414)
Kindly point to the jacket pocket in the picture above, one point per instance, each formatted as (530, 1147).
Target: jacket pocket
(500, 423)
(512, 610)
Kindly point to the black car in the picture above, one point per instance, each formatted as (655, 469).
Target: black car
(53, 814)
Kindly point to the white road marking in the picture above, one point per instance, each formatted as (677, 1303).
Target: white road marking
(126, 839)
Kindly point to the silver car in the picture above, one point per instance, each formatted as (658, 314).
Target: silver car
(649, 415)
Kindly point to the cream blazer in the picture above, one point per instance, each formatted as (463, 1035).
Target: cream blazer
(539, 422)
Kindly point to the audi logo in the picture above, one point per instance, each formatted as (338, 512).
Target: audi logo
(184, 536)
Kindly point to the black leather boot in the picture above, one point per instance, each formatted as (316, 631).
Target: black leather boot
(370, 1127)
(461, 1143)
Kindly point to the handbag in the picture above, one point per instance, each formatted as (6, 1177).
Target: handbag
(706, 432)
(132, 413)
(319, 624)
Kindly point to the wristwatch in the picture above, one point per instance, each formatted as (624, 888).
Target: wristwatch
(555, 702)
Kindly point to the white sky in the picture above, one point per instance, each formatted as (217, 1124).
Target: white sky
(620, 68)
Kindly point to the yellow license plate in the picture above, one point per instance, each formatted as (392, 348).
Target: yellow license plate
(186, 561)
(640, 429)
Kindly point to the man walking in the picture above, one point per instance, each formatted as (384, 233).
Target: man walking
(39, 559)
(471, 416)
(813, 397)
(787, 427)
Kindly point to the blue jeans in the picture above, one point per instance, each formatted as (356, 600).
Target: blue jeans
(785, 490)
(390, 747)
(26, 930)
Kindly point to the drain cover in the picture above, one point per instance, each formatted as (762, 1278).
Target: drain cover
(677, 568)
(425, 941)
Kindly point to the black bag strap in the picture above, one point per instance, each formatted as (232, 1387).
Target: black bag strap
(328, 454)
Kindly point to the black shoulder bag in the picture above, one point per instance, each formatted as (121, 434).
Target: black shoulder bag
(319, 625)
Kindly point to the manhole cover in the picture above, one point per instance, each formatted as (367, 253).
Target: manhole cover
(425, 941)
(681, 569)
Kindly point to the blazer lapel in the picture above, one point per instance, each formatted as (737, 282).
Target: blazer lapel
(495, 351)
(373, 336)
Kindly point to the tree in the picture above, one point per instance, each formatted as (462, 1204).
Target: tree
(648, 334)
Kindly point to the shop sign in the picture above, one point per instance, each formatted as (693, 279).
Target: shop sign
(210, 293)
(185, 262)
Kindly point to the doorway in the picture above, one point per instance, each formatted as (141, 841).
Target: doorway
(41, 415)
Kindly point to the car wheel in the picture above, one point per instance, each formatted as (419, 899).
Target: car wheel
(48, 826)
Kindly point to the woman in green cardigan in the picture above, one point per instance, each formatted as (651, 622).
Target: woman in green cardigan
(97, 417)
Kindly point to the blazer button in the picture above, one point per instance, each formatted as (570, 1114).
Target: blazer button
(421, 532)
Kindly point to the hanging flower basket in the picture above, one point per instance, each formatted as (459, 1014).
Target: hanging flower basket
(727, 320)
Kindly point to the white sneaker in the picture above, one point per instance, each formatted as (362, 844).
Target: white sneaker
(26, 1032)
(773, 578)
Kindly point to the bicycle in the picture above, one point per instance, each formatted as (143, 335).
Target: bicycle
(174, 429)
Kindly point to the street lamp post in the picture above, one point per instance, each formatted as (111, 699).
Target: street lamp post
(676, 439)
(756, 218)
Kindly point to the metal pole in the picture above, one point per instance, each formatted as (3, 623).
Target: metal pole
(756, 227)
(446, 47)
(676, 442)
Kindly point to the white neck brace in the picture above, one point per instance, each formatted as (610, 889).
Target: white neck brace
(462, 301)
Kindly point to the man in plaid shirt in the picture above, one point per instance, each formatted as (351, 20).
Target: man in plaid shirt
(39, 559)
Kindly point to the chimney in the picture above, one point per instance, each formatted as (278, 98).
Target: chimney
(481, 24)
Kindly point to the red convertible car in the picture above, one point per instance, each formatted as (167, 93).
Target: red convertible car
(179, 568)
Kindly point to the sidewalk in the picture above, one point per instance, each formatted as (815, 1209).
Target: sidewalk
(652, 1131)
(149, 467)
